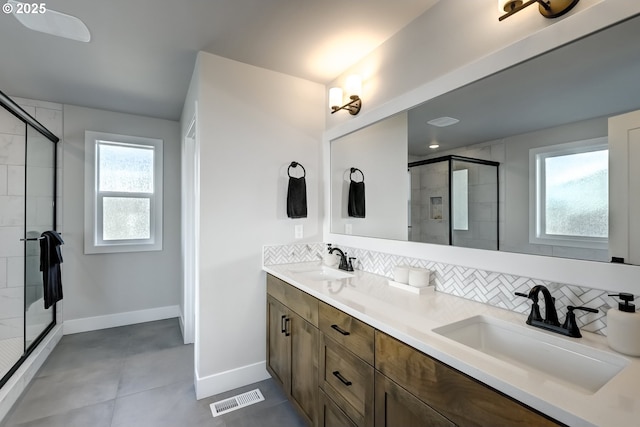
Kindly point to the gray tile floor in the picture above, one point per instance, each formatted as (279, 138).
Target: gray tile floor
(139, 375)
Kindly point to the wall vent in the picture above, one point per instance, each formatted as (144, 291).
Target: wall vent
(236, 402)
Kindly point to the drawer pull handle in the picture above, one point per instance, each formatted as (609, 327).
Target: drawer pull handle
(338, 375)
(339, 329)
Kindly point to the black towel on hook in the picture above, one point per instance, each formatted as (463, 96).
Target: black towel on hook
(356, 205)
(50, 260)
(297, 194)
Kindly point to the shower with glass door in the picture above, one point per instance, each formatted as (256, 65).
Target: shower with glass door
(28, 159)
(455, 201)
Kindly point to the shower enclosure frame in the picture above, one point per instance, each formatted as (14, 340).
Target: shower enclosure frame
(450, 159)
(27, 119)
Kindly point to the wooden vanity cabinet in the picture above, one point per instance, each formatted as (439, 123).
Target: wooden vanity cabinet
(341, 372)
(293, 345)
(457, 397)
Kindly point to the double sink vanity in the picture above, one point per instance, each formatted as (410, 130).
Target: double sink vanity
(350, 350)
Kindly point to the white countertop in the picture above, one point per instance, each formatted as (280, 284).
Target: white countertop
(411, 318)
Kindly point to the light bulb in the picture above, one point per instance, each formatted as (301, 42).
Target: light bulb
(335, 97)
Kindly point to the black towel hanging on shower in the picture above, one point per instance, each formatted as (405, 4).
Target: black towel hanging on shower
(50, 260)
(297, 194)
(356, 206)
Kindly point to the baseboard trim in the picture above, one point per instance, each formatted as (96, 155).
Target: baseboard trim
(74, 326)
(231, 379)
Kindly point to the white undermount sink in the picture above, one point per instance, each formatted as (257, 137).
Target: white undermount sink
(323, 273)
(554, 358)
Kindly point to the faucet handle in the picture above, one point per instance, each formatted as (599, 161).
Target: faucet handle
(589, 309)
(535, 308)
(350, 264)
(570, 323)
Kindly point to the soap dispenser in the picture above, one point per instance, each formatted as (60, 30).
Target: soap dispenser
(623, 326)
(328, 258)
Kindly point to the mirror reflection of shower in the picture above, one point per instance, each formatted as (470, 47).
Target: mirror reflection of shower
(454, 201)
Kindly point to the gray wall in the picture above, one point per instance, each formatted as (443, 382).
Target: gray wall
(252, 123)
(108, 284)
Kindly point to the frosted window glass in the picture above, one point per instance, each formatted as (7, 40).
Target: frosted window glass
(460, 199)
(125, 169)
(577, 194)
(126, 218)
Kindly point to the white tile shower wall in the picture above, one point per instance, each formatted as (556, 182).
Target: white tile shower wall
(496, 289)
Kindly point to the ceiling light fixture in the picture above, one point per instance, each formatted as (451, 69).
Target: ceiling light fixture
(353, 87)
(37, 17)
(434, 145)
(548, 8)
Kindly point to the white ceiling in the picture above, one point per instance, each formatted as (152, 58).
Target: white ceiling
(142, 52)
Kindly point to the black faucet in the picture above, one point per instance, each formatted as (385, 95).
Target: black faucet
(345, 263)
(551, 323)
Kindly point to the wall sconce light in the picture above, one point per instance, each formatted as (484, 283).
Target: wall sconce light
(353, 87)
(548, 8)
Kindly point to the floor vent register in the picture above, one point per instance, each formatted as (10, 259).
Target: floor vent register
(236, 402)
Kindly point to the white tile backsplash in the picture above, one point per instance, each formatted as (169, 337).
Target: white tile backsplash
(496, 289)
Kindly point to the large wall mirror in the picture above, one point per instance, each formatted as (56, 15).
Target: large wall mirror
(517, 161)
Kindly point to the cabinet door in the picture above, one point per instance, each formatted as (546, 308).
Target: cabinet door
(396, 407)
(330, 415)
(278, 342)
(304, 366)
(460, 398)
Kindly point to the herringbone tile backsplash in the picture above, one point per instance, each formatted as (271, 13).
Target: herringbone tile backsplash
(488, 287)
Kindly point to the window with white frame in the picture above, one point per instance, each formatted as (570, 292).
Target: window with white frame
(570, 194)
(123, 193)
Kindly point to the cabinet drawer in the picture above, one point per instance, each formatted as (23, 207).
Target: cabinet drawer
(348, 380)
(355, 335)
(298, 301)
(458, 397)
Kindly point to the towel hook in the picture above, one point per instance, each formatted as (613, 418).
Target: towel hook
(354, 170)
(294, 165)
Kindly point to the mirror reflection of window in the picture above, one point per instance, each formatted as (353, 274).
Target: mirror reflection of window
(572, 194)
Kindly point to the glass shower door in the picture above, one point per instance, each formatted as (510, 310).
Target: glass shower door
(40, 173)
(12, 156)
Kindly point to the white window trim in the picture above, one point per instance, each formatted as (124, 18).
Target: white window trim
(535, 194)
(93, 244)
